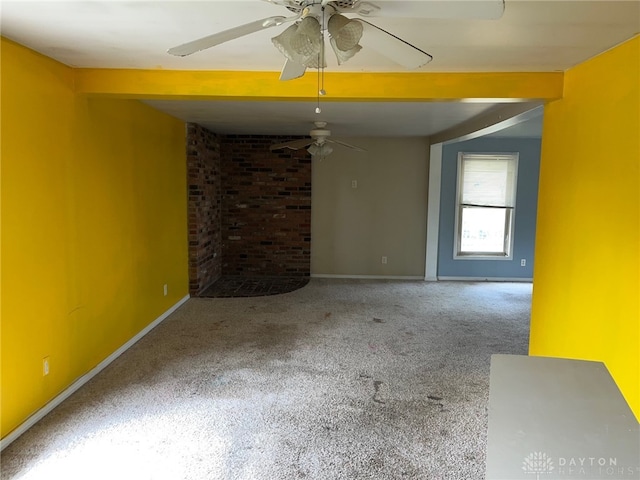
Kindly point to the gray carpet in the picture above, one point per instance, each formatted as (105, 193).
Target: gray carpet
(342, 379)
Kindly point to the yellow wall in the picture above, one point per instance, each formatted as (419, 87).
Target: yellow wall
(587, 267)
(93, 225)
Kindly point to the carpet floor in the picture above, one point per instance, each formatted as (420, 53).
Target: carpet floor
(341, 379)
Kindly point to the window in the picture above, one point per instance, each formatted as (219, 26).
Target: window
(485, 205)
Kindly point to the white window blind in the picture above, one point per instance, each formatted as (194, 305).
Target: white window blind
(485, 205)
(488, 181)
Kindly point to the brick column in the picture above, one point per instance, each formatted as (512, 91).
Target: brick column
(204, 208)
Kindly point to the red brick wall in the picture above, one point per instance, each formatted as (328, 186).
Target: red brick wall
(266, 207)
(249, 208)
(204, 208)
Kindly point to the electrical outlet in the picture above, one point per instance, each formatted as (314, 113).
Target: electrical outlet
(523, 262)
(166, 289)
(384, 260)
(45, 366)
(354, 184)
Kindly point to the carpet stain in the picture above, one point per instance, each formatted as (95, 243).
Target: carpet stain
(376, 387)
(437, 401)
(327, 315)
(378, 320)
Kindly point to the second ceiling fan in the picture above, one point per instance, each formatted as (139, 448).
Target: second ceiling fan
(319, 145)
(302, 43)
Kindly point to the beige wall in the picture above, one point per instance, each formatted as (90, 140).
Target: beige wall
(352, 228)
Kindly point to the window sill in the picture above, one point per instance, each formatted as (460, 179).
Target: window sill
(482, 257)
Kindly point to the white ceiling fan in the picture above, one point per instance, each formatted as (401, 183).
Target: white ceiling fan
(319, 144)
(302, 43)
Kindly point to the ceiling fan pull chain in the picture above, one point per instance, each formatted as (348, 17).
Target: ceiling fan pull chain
(321, 91)
(318, 94)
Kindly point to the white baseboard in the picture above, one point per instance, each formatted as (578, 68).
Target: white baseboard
(486, 279)
(33, 419)
(369, 277)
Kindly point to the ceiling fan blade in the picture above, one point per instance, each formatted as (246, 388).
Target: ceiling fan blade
(293, 145)
(467, 9)
(292, 70)
(352, 147)
(226, 35)
(392, 47)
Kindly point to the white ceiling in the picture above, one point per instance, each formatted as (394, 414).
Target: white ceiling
(345, 119)
(541, 35)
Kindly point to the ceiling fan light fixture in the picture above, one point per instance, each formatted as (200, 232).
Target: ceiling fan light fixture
(301, 42)
(315, 63)
(345, 35)
(321, 150)
(308, 38)
(343, 55)
(283, 41)
(346, 32)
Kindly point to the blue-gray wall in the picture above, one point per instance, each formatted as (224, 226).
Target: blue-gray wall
(525, 217)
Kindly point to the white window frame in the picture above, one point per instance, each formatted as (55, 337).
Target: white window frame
(509, 236)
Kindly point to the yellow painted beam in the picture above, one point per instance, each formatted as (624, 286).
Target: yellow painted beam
(234, 85)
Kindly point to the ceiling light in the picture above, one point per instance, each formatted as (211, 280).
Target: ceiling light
(345, 35)
(302, 42)
(320, 150)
